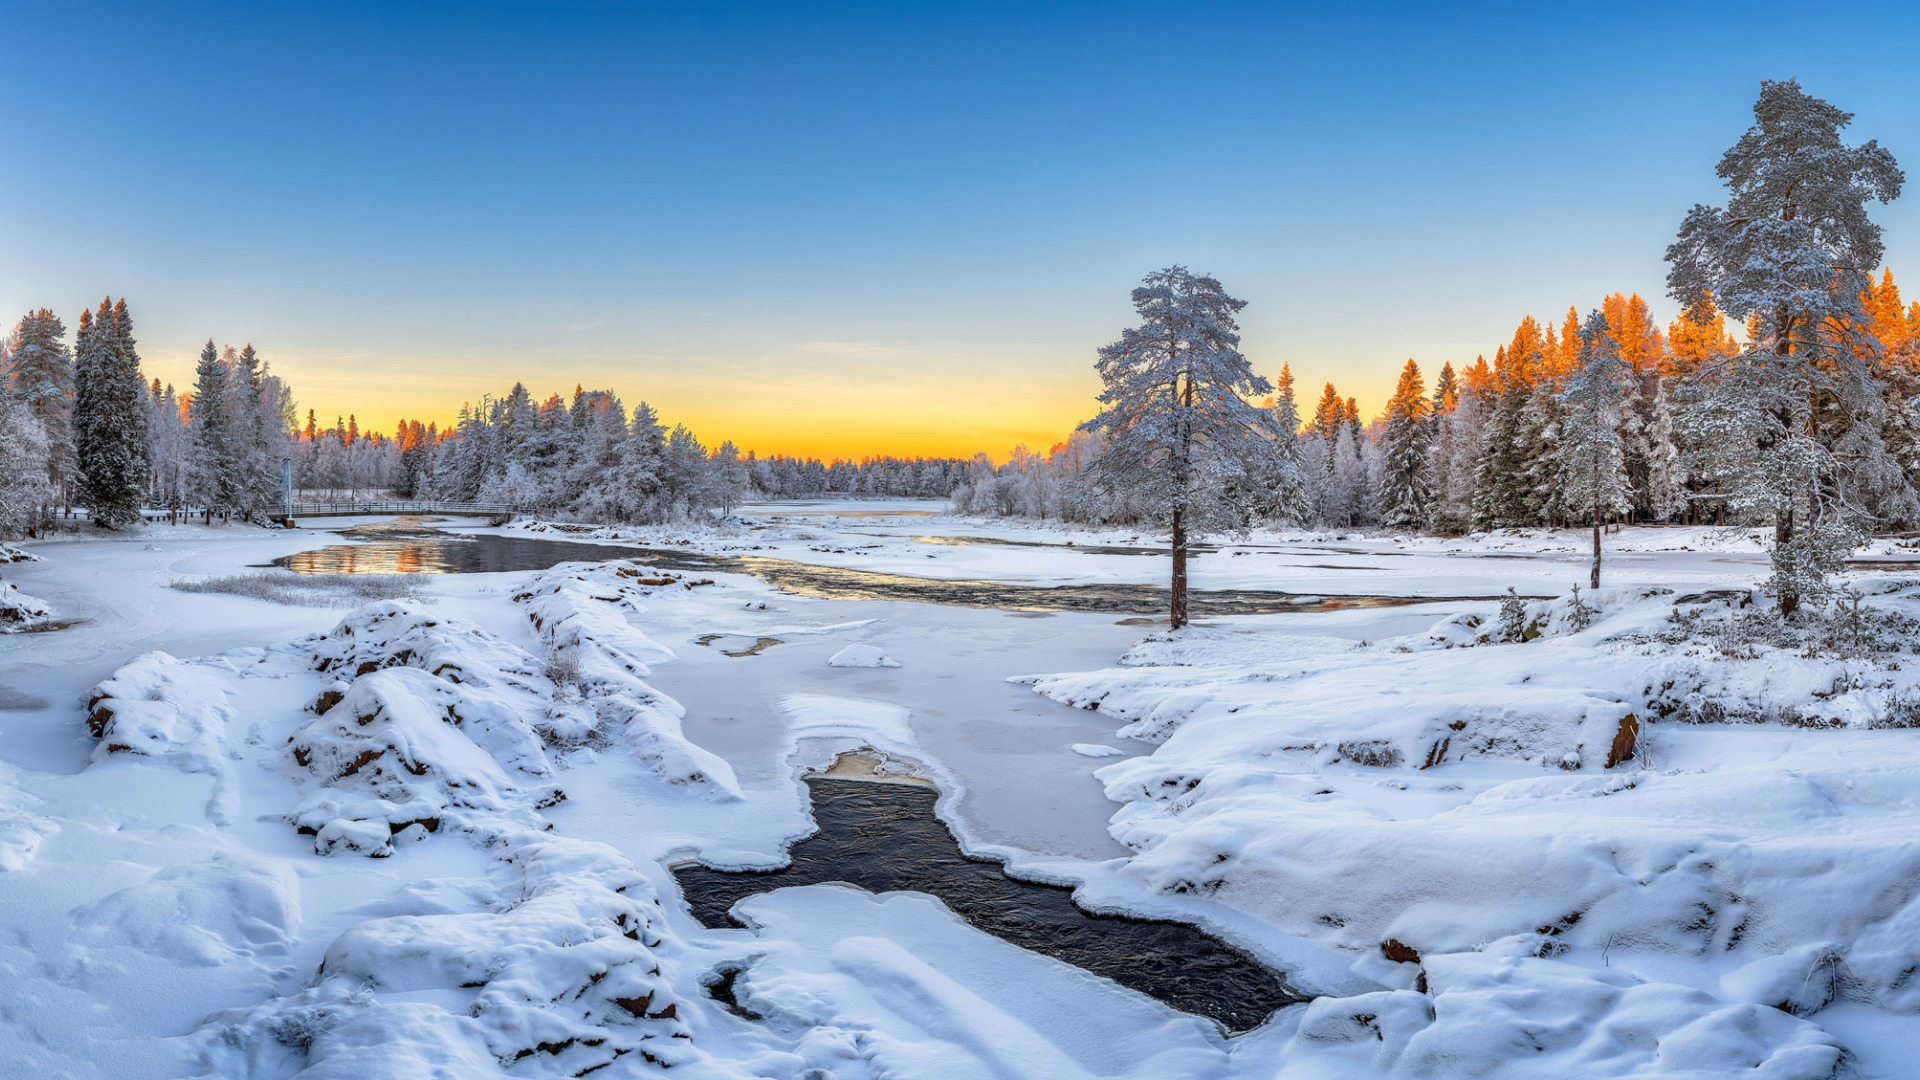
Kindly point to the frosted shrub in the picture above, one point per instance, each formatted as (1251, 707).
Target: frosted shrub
(306, 590)
(1579, 613)
(1854, 628)
(1513, 617)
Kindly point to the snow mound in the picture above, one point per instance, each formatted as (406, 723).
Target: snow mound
(171, 710)
(1205, 645)
(862, 656)
(580, 615)
(21, 829)
(12, 554)
(393, 633)
(1097, 750)
(395, 740)
(219, 914)
(1489, 1014)
(560, 977)
(18, 611)
(1552, 618)
(824, 716)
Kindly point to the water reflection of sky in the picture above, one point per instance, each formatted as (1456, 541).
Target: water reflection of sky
(447, 555)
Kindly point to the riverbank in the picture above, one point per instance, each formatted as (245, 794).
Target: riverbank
(574, 733)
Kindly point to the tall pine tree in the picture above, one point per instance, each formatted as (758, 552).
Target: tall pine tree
(109, 417)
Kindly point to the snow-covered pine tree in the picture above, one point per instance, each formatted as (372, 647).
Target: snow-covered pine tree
(41, 370)
(1500, 492)
(109, 417)
(25, 492)
(1440, 451)
(1790, 254)
(1282, 481)
(1588, 456)
(259, 434)
(1404, 493)
(216, 485)
(1328, 414)
(730, 481)
(684, 480)
(169, 449)
(1181, 435)
(643, 463)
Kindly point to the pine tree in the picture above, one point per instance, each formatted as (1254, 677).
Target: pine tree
(1591, 468)
(215, 476)
(109, 414)
(1282, 482)
(1440, 452)
(1404, 494)
(1500, 496)
(1181, 436)
(1790, 254)
(1328, 415)
(42, 377)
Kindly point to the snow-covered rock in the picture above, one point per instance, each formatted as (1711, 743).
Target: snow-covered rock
(172, 710)
(18, 611)
(862, 656)
(580, 614)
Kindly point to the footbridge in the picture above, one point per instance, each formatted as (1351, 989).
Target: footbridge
(389, 507)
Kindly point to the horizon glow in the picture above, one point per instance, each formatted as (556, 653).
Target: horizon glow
(850, 230)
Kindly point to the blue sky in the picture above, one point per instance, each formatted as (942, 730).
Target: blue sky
(845, 228)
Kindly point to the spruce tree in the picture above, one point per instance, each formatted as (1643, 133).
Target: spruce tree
(215, 483)
(42, 377)
(1282, 481)
(1404, 494)
(110, 421)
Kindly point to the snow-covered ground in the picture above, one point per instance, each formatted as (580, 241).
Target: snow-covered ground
(429, 836)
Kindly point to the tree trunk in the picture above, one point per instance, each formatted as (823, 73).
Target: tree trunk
(1179, 589)
(1596, 546)
(1782, 537)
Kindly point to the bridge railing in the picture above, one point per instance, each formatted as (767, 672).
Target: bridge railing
(390, 506)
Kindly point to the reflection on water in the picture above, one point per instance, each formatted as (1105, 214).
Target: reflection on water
(438, 553)
(842, 583)
(884, 837)
(434, 552)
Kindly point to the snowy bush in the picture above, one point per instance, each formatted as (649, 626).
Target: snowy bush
(306, 590)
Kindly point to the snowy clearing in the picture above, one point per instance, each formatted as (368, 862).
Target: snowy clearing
(430, 834)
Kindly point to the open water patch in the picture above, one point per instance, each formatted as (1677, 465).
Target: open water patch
(486, 553)
(884, 837)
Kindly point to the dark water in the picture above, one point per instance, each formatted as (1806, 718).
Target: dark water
(885, 838)
(422, 550)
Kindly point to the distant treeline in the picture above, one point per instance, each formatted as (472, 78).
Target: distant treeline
(1484, 448)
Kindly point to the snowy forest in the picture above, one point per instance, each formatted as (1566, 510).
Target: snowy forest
(1575, 421)
(81, 427)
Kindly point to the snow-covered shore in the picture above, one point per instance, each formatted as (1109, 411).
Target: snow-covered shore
(430, 836)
